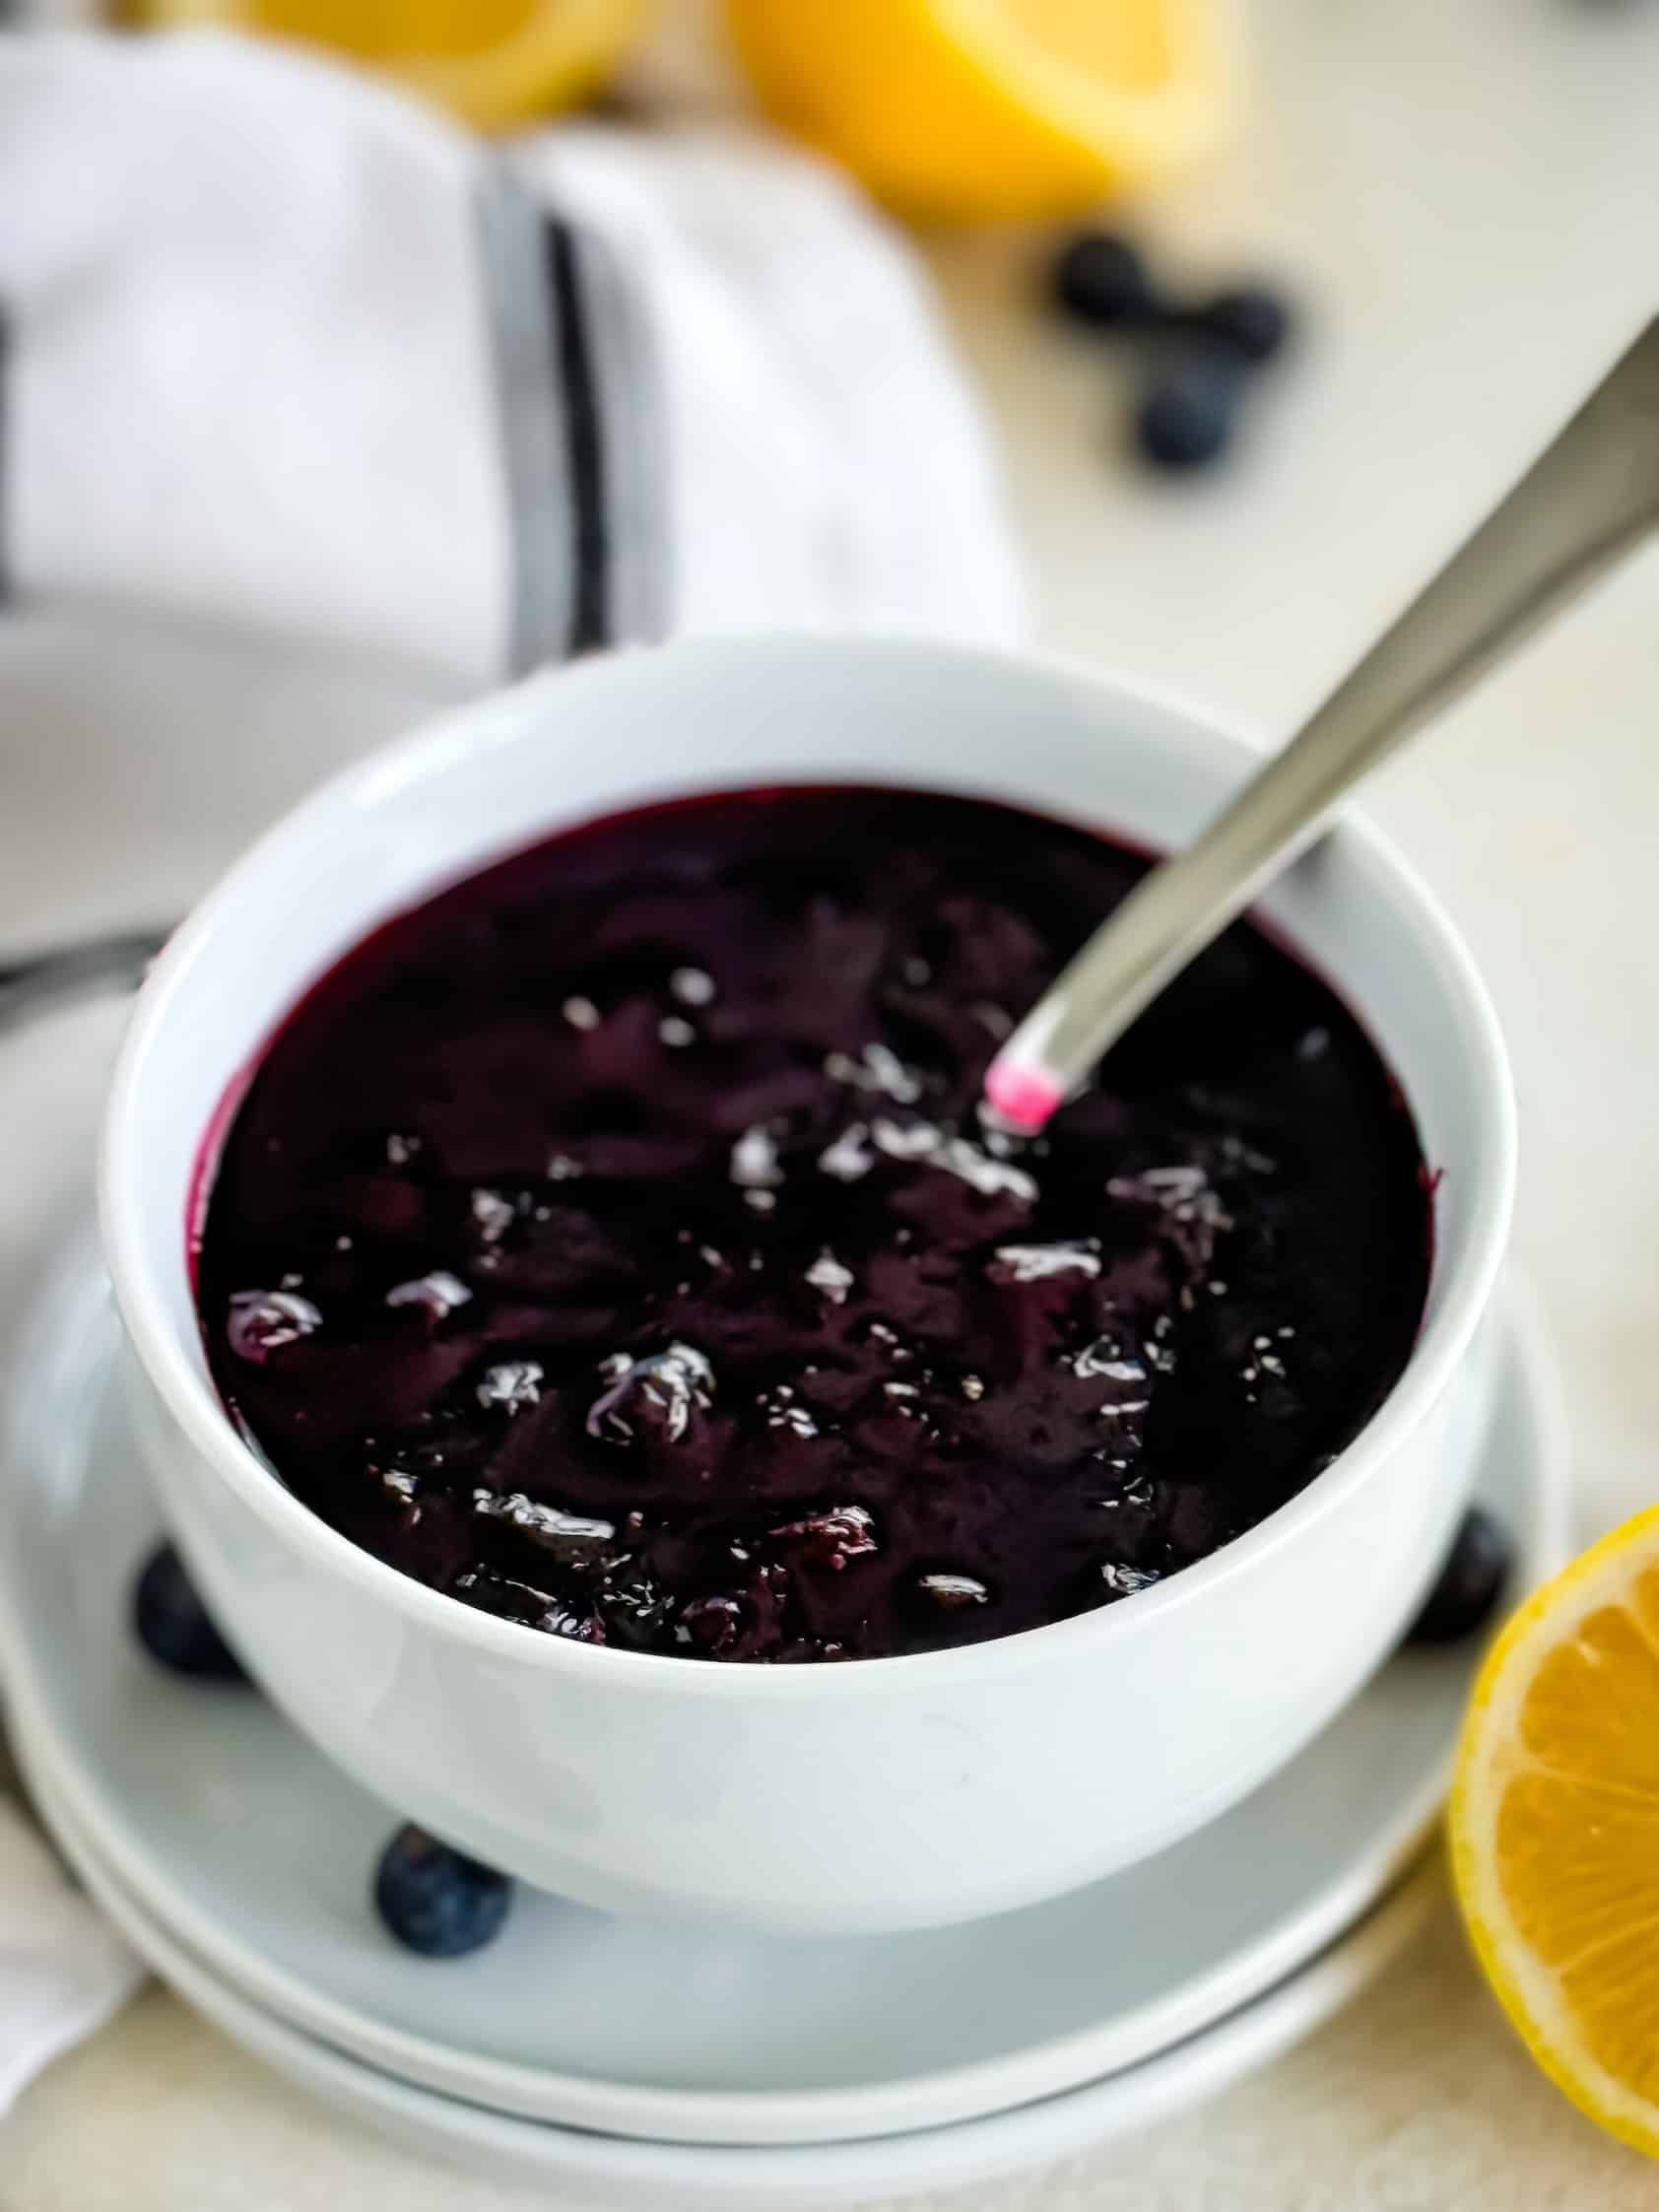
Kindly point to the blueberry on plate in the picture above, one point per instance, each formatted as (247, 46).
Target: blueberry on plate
(174, 1625)
(437, 1900)
(1185, 420)
(1101, 281)
(1470, 1582)
(1250, 320)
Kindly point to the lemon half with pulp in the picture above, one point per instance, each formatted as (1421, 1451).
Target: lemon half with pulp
(1554, 1828)
(491, 62)
(994, 109)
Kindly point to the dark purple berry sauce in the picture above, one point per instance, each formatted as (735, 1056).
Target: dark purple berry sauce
(613, 1242)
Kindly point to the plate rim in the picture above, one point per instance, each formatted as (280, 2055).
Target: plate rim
(644, 2173)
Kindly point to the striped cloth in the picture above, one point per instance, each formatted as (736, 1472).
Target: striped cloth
(283, 348)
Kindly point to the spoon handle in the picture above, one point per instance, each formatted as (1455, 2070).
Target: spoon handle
(42, 983)
(1590, 496)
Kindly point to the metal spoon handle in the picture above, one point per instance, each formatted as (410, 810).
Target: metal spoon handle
(1591, 495)
(44, 981)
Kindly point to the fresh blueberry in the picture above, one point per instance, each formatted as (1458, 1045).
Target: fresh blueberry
(437, 1900)
(1101, 281)
(1469, 1583)
(1185, 420)
(1250, 320)
(173, 1626)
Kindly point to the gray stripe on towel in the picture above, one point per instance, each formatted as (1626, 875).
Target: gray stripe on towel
(5, 435)
(628, 391)
(535, 462)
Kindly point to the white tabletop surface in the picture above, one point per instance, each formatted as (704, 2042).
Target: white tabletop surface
(1464, 196)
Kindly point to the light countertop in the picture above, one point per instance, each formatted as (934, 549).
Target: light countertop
(1465, 198)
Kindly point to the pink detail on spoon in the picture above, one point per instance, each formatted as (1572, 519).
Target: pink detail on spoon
(1024, 1096)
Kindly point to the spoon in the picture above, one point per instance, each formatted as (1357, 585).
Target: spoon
(39, 983)
(1589, 496)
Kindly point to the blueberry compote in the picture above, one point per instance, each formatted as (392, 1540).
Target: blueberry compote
(613, 1242)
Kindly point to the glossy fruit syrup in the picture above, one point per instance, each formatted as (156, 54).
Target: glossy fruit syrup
(615, 1244)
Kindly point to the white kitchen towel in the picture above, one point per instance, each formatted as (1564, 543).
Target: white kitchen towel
(278, 347)
(282, 346)
(63, 1972)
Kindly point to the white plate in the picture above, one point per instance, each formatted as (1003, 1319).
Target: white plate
(643, 2176)
(256, 1853)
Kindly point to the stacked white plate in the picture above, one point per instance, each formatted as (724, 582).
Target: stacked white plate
(635, 2064)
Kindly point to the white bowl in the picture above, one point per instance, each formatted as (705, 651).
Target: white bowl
(876, 1795)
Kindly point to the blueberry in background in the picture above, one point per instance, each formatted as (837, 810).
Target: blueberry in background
(1202, 349)
(174, 1625)
(1101, 281)
(435, 1900)
(1186, 419)
(1250, 320)
(1469, 1583)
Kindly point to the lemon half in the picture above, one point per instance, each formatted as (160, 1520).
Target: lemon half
(1555, 1828)
(975, 110)
(493, 63)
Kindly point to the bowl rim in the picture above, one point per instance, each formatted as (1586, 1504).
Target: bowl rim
(194, 1406)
